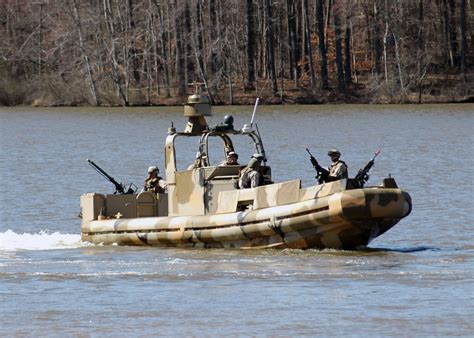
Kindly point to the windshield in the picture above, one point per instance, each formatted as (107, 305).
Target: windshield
(215, 146)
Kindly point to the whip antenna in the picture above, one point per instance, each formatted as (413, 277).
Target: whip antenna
(254, 111)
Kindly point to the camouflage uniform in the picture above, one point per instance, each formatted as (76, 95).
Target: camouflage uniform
(250, 179)
(337, 170)
(250, 176)
(155, 184)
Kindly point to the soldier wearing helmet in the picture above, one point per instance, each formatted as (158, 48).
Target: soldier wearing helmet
(338, 169)
(232, 159)
(250, 176)
(258, 157)
(154, 183)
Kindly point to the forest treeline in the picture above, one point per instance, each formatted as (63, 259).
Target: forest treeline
(150, 52)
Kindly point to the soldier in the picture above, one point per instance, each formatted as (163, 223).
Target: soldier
(232, 159)
(154, 183)
(338, 169)
(258, 157)
(250, 176)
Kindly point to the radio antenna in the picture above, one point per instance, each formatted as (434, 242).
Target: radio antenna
(256, 103)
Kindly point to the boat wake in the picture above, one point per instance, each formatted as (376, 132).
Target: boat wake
(43, 240)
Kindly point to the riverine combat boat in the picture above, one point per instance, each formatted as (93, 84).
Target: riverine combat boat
(202, 207)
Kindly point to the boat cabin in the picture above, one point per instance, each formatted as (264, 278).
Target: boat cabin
(195, 191)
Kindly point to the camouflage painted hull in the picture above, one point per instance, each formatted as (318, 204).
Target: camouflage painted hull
(346, 219)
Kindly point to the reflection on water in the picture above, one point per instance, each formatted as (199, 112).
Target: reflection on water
(409, 278)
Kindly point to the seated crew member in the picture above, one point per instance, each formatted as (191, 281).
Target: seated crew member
(154, 183)
(250, 176)
(232, 159)
(338, 168)
(263, 180)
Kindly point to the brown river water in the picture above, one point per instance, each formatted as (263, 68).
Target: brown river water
(415, 280)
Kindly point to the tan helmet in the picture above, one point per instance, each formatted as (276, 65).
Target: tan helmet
(232, 153)
(334, 151)
(253, 163)
(153, 169)
(258, 157)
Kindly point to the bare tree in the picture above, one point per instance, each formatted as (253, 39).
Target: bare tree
(111, 41)
(452, 33)
(377, 44)
(308, 47)
(293, 41)
(270, 45)
(339, 62)
(85, 57)
(250, 44)
(322, 45)
(347, 45)
(463, 26)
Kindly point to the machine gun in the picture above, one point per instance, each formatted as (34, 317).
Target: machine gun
(322, 174)
(363, 175)
(119, 187)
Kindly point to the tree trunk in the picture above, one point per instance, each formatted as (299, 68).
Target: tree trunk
(347, 49)
(377, 41)
(323, 63)
(135, 60)
(116, 74)
(280, 51)
(385, 43)
(199, 38)
(154, 64)
(309, 49)
(293, 41)
(85, 57)
(40, 41)
(446, 48)
(420, 50)
(340, 67)
(165, 50)
(270, 47)
(213, 39)
(452, 33)
(463, 25)
(179, 56)
(250, 45)
(188, 60)
(400, 68)
(328, 16)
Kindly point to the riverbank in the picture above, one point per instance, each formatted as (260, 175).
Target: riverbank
(56, 92)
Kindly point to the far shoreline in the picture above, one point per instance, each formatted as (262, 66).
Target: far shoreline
(300, 101)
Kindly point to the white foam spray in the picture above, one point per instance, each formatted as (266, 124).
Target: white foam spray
(43, 240)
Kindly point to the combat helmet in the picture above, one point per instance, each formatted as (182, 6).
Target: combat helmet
(153, 169)
(253, 163)
(334, 151)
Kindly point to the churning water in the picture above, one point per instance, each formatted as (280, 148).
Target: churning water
(417, 279)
